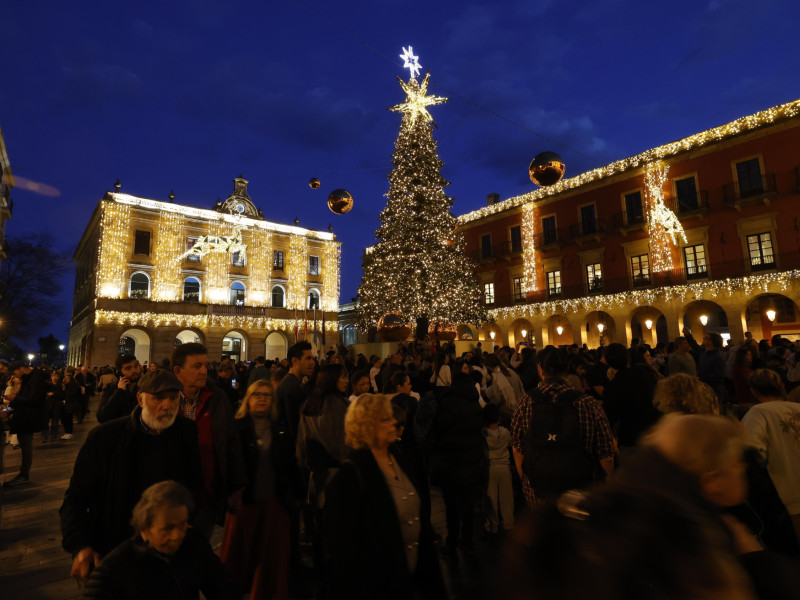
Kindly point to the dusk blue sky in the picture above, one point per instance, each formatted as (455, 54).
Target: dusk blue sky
(185, 95)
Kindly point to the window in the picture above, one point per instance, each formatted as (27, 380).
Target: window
(748, 173)
(237, 293)
(488, 293)
(313, 299)
(549, 233)
(554, 283)
(139, 286)
(142, 243)
(486, 246)
(277, 296)
(238, 259)
(313, 265)
(760, 248)
(695, 257)
(588, 220)
(191, 290)
(519, 289)
(640, 268)
(633, 208)
(277, 260)
(190, 242)
(516, 239)
(686, 191)
(594, 278)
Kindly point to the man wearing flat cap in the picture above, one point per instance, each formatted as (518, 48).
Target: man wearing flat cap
(118, 461)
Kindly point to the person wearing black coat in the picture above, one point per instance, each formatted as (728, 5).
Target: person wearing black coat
(379, 542)
(118, 461)
(27, 414)
(458, 461)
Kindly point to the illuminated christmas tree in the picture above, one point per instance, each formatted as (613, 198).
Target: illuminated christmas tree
(418, 267)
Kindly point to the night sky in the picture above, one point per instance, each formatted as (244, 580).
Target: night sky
(186, 95)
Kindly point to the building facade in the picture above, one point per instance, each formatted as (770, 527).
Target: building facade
(151, 275)
(701, 233)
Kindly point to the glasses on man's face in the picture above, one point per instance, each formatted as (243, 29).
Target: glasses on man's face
(261, 394)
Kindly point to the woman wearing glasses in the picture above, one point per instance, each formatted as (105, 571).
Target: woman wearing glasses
(255, 543)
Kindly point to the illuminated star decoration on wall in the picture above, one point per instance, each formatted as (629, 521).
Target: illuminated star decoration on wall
(417, 100)
(411, 62)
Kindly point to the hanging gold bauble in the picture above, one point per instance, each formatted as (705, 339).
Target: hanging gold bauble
(546, 168)
(340, 201)
(314, 183)
(393, 327)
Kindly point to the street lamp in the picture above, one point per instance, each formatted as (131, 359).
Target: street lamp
(771, 315)
(61, 347)
(559, 330)
(30, 358)
(704, 320)
(524, 333)
(492, 334)
(648, 323)
(601, 327)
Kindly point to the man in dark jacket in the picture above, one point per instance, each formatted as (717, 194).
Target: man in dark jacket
(88, 382)
(118, 461)
(710, 364)
(28, 414)
(119, 400)
(220, 447)
(289, 394)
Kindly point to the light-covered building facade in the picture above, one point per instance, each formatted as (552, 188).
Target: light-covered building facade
(152, 274)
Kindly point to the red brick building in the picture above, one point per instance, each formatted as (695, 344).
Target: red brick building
(704, 229)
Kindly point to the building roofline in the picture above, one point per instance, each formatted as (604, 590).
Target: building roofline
(211, 215)
(715, 135)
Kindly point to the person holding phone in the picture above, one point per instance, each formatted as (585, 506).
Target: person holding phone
(120, 400)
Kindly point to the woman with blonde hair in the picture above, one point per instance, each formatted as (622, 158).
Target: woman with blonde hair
(378, 536)
(686, 394)
(255, 543)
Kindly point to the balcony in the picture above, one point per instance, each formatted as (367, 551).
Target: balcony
(590, 229)
(625, 221)
(503, 250)
(678, 276)
(687, 205)
(754, 191)
(554, 238)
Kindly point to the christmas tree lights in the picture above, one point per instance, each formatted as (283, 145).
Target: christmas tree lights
(418, 267)
(529, 248)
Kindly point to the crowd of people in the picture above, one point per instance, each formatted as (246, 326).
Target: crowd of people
(620, 472)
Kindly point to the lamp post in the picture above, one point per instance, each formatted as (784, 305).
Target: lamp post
(30, 359)
(601, 327)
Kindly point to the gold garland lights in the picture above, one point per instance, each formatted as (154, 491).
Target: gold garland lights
(698, 140)
(332, 260)
(528, 248)
(218, 266)
(113, 250)
(663, 226)
(296, 270)
(259, 259)
(169, 246)
(766, 283)
(143, 319)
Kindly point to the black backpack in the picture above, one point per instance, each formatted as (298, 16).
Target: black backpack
(555, 459)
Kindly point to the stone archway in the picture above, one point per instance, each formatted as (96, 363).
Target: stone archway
(772, 314)
(521, 331)
(557, 331)
(234, 344)
(188, 336)
(277, 345)
(137, 340)
(702, 316)
(599, 329)
(649, 325)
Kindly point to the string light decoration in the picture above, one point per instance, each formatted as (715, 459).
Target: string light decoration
(332, 260)
(168, 247)
(296, 270)
(663, 226)
(711, 290)
(418, 266)
(217, 270)
(259, 259)
(113, 250)
(156, 319)
(698, 140)
(529, 248)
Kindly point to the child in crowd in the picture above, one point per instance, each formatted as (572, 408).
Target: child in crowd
(500, 491)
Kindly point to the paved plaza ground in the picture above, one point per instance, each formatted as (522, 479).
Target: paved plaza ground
(33, 565)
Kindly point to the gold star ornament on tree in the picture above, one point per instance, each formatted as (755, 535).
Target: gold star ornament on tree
(417, 100)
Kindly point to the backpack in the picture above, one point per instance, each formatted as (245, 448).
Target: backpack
(555, 459)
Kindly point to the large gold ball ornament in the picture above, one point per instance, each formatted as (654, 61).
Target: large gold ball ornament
(546, 168)
(393, 327)
(340, 201)
(314, 183)
(444, 331)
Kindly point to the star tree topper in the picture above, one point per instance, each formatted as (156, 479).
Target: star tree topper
(417, 100)
(410, 61)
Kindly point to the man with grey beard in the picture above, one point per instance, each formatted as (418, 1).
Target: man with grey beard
(119, 460)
